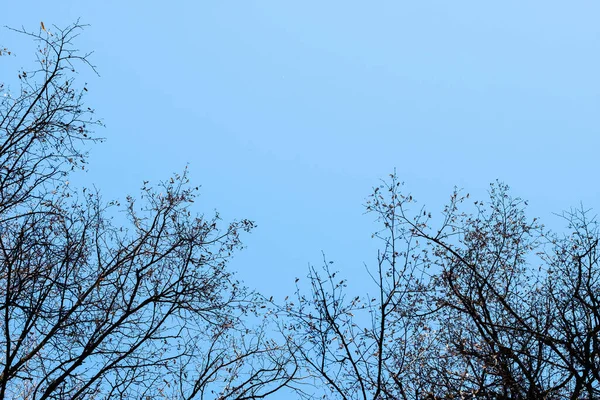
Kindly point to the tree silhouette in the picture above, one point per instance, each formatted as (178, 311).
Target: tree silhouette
(488, 304)
(94, 309)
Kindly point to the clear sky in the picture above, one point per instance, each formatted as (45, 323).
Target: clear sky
(288, 112)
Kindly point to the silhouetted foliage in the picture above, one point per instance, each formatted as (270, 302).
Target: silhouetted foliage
(483, 302)
(487, 305)
(90, 308)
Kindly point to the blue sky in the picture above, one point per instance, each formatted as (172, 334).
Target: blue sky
(288, 112)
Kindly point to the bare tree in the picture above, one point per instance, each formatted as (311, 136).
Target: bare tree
(94, 309)
(488, 305)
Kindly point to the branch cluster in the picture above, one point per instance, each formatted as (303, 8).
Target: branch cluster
(487, 305)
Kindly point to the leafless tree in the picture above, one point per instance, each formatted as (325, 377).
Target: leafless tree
(487, 304)
(96, 304)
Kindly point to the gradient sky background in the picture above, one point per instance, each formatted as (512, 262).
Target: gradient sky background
(289, 112)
